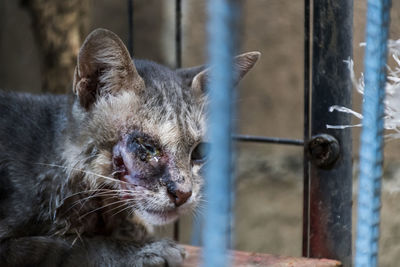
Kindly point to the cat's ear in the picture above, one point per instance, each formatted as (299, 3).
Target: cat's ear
(187, 74)
(243, 63)
(104, 67)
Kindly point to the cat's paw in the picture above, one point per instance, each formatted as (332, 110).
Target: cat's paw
(163, 252)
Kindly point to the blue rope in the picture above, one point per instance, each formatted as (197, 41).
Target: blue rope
(371, 152)
(216, 235)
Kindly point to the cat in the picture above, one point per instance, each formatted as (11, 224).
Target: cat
(84, 177)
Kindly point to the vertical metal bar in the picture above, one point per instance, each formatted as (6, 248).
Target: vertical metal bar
(306, 166)
(178, 64)
(331, 187)
(371, 152)
(218, 173)
(178, 33)
(130, 27)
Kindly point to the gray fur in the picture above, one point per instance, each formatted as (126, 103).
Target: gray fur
(84, 177)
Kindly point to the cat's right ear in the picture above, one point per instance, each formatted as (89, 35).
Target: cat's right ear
(199, 76)
(104, 67)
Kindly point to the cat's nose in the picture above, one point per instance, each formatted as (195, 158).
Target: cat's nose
(179, 197)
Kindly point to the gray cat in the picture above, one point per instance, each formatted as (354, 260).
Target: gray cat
(84, 177)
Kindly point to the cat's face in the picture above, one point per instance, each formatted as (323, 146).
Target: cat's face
(156, 150)
(144, 127)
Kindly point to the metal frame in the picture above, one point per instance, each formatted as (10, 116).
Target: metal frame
(178, 64)
(330, 150)
(306, 130)
(130, 26)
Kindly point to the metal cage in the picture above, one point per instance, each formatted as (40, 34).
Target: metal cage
(327, 160)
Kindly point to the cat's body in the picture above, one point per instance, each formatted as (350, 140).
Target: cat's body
(82, 178)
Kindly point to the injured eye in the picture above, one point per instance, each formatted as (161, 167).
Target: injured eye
(200, 152)
(150, 149)
(145, 149)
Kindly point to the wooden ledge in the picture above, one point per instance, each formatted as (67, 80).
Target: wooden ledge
(249, 259)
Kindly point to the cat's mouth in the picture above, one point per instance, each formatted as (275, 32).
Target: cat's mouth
(159, 217)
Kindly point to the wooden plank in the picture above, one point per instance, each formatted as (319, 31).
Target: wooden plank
(250, 259)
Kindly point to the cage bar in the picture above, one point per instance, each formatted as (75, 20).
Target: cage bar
(265, 139)
(221, 46)
(178, 64)
(130, 26)
(371, 151)
(306, 130)
(330, 186)
(178, 34)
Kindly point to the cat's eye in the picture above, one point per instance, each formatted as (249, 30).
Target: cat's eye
(143, 148)
(149, 148)
(200, 152)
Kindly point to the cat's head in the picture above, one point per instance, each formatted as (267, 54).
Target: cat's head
(142, 127)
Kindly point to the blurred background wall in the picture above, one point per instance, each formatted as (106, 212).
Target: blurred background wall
(270, 101)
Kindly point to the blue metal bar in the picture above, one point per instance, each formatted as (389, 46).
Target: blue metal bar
(221, 32)
(371, 152)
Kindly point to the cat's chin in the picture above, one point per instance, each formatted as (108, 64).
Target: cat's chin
(155, 217)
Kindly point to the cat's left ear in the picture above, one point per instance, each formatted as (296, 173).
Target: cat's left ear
(199, 76)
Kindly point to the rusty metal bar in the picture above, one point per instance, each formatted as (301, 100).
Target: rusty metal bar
(330, 150)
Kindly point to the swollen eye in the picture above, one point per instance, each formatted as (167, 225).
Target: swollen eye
(200, 152)
(149, 149)
(144, 149)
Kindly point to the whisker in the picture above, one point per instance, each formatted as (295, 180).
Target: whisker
(120, 206)
(84, 191)
(86, 199)
(99, 189)
(87, 172)
(130, 206)
(102, 193)
(83, 159)
(109, 194)
(115, 172)
(102, 207)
